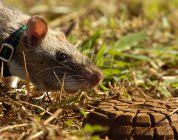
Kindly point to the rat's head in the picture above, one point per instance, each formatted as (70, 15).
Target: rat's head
(52, 62)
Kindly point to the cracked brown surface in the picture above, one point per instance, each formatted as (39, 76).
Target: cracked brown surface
(137, 119)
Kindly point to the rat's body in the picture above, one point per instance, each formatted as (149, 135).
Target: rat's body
(51, 60)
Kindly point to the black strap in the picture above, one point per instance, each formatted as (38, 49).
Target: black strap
(6, 71)
(13, 40)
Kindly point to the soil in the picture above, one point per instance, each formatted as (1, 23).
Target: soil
(146, 119)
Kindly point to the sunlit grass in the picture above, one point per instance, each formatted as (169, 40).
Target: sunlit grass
(133, 42)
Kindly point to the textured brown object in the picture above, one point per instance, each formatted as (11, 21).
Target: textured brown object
(139, 119)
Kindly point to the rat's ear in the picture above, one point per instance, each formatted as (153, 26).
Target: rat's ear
(36, 29)
(67, 30)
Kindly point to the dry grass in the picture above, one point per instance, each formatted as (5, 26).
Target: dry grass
(133, 42)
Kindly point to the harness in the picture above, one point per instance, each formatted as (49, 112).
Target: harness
(8, 48)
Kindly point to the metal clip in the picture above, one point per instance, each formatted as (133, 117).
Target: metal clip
(4, 56)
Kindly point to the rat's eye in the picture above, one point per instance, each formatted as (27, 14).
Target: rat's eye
(61, 56)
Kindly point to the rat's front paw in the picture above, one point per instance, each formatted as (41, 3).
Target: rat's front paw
(10, 81)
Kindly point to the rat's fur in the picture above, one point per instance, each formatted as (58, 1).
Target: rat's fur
(44, 68)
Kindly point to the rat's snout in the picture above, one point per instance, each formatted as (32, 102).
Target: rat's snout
(95, 78)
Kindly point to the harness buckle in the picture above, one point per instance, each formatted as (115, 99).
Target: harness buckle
(6, 52)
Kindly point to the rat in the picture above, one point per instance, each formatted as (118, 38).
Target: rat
(52, 62)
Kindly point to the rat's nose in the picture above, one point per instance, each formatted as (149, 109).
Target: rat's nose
(96, 77)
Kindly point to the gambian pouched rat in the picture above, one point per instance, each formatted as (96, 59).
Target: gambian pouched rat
(51, 60)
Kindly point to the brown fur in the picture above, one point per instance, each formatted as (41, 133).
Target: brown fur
(43, 65)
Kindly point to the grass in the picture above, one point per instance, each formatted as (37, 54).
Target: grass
(133, 42)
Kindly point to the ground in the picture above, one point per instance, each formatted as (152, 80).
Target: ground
(133, 42)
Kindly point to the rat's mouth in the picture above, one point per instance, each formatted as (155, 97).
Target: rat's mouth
(68, 88)
(72, 85)
(73, 88)
(53, 86)
(71, 91)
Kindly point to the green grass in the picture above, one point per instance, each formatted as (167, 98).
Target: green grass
(134, 43)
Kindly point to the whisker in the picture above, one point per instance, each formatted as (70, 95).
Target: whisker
(57, 77)
(74, 81)
(42, 51)
(68, 76)
(48, 69)
(59, 62)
